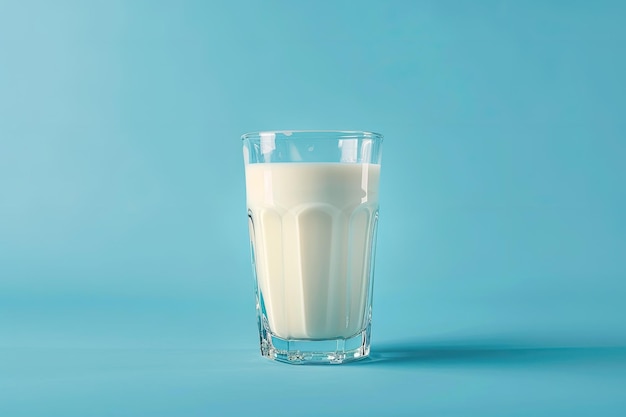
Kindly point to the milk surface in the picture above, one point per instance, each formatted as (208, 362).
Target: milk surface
(312, 228)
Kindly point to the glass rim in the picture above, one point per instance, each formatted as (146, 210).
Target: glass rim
(319, 134)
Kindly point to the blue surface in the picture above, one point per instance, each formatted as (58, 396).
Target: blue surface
(125, 285)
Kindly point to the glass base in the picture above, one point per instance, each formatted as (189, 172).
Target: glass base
(333, 351)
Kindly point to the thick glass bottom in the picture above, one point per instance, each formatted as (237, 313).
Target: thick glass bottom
(333, 351)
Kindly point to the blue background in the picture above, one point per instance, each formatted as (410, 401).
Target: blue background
(125, 285)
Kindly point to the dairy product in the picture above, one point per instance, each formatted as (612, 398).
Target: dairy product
(312, 229)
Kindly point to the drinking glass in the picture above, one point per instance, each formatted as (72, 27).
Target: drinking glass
(312, 200)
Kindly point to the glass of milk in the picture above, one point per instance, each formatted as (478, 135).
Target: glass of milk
(312, 201)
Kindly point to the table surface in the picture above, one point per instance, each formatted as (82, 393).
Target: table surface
(479, 377)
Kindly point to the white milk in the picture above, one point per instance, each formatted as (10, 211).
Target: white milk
(312, 229)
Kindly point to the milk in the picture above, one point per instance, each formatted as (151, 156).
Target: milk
(312, 229)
